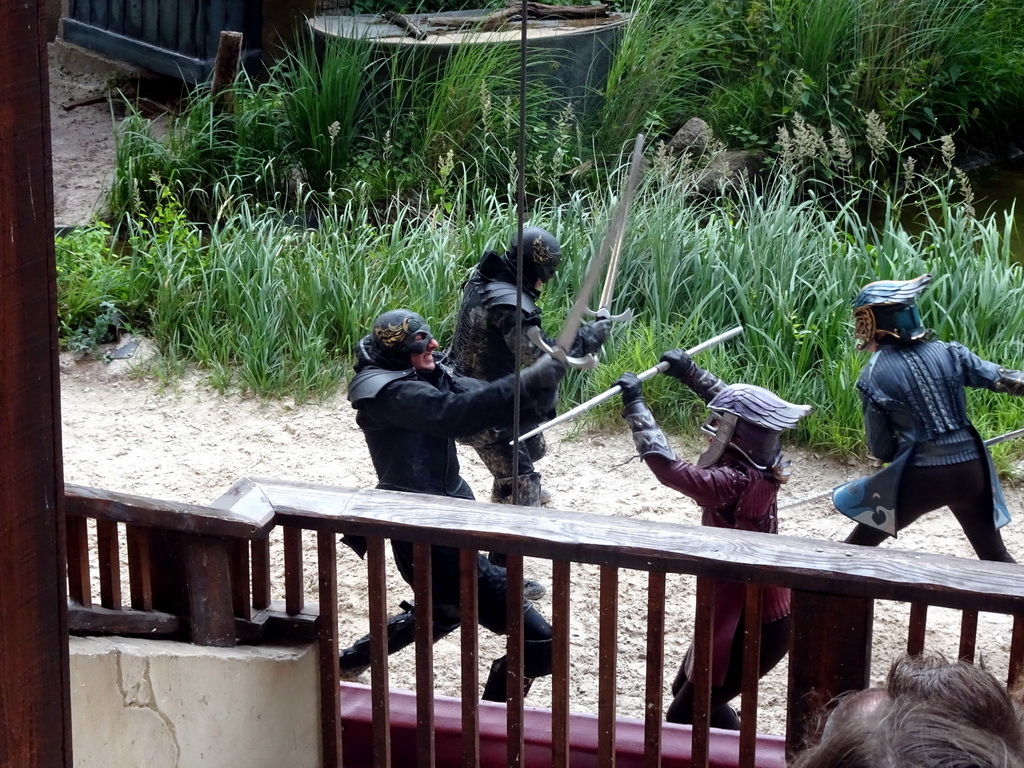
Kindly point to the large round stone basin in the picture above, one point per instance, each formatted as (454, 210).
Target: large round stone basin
(571, 56)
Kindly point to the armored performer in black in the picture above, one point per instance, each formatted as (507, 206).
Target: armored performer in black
(486, 344)
(915, 418)
(411, 408)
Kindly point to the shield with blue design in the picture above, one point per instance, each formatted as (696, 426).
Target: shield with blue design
(871, 500)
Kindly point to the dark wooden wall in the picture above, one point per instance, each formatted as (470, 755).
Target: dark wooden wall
(178, 38)
(35, 699)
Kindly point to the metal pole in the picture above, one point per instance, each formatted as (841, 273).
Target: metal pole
(572, 413)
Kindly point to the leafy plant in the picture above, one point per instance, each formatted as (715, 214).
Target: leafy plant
(93, 286)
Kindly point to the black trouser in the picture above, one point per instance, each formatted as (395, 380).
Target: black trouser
(774, 645)
(492, 591)
(964, 488)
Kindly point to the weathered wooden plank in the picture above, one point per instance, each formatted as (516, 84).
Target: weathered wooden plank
(917, 628)
(1016, 651)
(116, 12)
(82, 620)
(35, 726)
(245, 522)
(378, 610)
(294, 590)
(190, 38)
(167, 25)
(752, 613)
(703, 637)
(968, 635)
(140, 568)
(560, 625)
(831, 653)
(808, 564)
(251, 590)
(655, 668)
(78, 9)
(239, 559)
(514, 652)
(607, 674)
(150, 24)
(225, 70)
(100, 13)
(217, 18)
(133, 19)
(108, 555)
(77, 536)
(274, 623)
(468, 636)
(424, 656)
(208, 585)
(260, 573)
(327, 650)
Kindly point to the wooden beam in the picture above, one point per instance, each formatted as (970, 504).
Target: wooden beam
(805, 564)
(35, 696)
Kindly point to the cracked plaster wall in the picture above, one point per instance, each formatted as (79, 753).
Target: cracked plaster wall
(163, 704)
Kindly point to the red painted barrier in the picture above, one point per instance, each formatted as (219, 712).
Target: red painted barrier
(357, 736)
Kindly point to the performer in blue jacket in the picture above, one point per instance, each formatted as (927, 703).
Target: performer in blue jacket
(915, 419)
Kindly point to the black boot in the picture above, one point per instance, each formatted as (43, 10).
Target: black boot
(401, 629)
(496, 687)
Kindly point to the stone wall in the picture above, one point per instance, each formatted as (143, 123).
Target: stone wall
(164, 704)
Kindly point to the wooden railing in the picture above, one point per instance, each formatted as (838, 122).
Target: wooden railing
(835, 588)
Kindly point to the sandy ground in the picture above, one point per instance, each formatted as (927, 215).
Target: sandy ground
(123, 431)
(82, 143)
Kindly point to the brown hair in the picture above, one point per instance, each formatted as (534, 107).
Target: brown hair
(932, 714)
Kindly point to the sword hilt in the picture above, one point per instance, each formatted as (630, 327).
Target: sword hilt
(605, 314)
(586, 362)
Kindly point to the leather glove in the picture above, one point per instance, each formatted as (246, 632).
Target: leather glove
(591, 337)
(680, 366)
(600, 330)
(632, 389)
(545, 374)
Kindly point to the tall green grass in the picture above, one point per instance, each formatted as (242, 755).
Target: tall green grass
(269, 308)
(339, 120)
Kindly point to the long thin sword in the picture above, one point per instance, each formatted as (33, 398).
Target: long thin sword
(572, 413)
(828, 491)
(616, 233)
(607, 253)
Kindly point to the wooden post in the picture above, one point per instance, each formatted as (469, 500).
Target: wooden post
(830, 653)
(225, 69)
(35, 697)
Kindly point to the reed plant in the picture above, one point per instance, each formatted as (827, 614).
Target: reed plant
(270, 307)
(927, 67)
(661, 74)
(326, 88)
(205, 154)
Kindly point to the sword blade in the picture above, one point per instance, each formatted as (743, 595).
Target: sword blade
(572, 413)
(617, 230)
(575, 317)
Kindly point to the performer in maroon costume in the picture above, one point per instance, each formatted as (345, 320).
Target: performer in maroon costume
(735, 482)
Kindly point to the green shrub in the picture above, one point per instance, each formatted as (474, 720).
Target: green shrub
(93, 287)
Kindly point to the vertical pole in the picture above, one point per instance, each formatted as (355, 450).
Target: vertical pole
(35, 697)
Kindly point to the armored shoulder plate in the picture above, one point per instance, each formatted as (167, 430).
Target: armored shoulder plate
(369, 381)
(504, 294)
